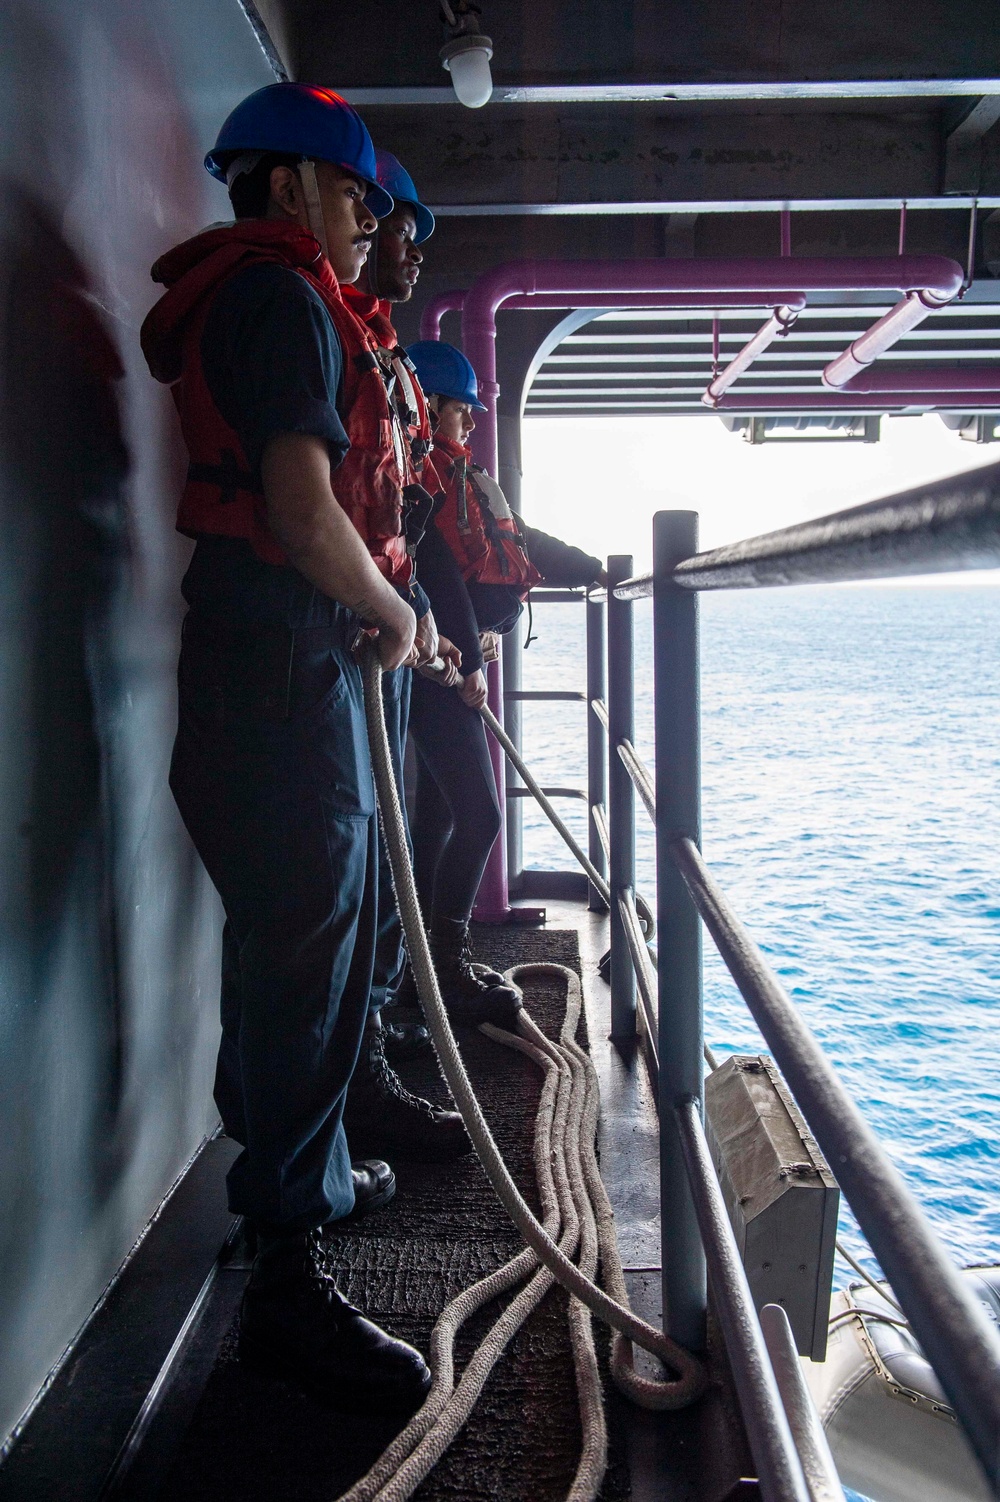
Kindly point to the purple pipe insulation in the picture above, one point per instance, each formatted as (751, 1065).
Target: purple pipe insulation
(913, 309)
(777, 325)
(451, 302)
(927, 378)
(445, 302)
(937, 277)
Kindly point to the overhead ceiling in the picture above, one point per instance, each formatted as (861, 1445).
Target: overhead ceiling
(645, 129)
(636, 362)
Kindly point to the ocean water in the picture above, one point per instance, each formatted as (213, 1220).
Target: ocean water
(851, 771)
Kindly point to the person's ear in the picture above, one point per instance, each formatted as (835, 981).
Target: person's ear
(286, 191)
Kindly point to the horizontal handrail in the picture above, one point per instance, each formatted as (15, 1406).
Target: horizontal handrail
(515, 792)
(639, 773)
(556, 596)
(638, 588)
(778, 1465)
(645, 971)
(528, 695)
(944, 527)
(945, 1315)
(600, 709)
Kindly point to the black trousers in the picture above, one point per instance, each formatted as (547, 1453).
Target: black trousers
(456, 813)
(272, 776)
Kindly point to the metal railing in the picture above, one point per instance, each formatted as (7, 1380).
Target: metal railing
(953, 524)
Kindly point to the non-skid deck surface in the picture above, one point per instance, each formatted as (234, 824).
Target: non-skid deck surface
(256, 1438)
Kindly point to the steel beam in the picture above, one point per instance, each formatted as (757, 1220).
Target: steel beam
(697, 93)
(711, 206)
(963, 149)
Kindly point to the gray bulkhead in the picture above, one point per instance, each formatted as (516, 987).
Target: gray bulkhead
(108, 927)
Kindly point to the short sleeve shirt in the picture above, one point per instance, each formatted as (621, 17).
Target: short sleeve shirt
(273, 363)
(272, 360)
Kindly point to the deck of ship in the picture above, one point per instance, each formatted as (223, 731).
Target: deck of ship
(152, 1403)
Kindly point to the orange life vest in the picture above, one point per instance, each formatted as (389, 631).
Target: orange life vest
(402, 382)
(222, 496)
(477, 523)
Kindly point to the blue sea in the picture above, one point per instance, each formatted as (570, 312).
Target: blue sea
(851, 762)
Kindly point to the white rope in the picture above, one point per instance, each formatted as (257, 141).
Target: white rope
(577, 1219)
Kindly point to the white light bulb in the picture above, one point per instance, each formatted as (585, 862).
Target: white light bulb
(468, 61)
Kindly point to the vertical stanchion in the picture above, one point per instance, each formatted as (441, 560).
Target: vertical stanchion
(678, 811)
(621, 795)
(510, 661)
(597, 742)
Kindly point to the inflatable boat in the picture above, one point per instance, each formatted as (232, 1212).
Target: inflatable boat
(892, 1432)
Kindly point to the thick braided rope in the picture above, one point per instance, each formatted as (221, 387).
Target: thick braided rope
(414, 1452)
(690, 1380)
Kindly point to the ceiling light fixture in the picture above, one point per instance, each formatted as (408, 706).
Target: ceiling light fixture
(466, 54)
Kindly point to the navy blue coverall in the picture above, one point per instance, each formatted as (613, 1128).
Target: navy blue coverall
(272, 776)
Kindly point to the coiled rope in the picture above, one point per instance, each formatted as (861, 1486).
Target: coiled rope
(575, 1209)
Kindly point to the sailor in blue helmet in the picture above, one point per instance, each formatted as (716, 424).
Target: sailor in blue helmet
(499, 558)
(296, 499)
(478, 994)
(378, 1114)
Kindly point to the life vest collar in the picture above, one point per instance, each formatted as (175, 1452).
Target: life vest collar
(452, 447)
(374, 311)
(222, 496)
(194, 270)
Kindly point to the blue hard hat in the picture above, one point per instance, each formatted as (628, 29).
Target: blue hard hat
(301, 119)
(395, 179)
(443, 370)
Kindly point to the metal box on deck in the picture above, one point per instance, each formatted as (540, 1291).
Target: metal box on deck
(781, 1196)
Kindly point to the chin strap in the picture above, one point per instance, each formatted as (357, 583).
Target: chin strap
(371, 265)
(314, 206)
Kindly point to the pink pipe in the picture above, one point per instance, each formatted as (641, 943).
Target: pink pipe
(936, 276)
(778, 324)
(927, 378)
(430, 318)
(451, 302)
(882, 335)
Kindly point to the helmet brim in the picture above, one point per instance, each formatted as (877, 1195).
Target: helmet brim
(425, 223)
(470, 401)
(423, 219)
(377, 199)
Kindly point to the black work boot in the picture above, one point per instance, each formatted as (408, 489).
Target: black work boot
(406, 1037)
(472, 993)
(381, 1115)
(294, 1320)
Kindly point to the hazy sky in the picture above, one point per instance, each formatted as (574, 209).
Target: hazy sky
(597, 481)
